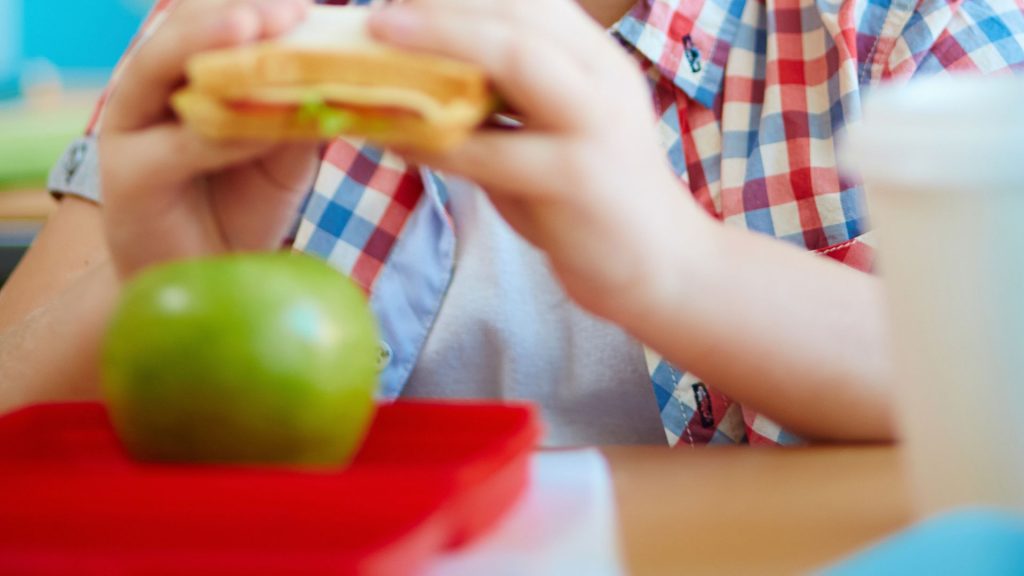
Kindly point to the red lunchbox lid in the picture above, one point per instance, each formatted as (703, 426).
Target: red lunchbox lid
(429, 476)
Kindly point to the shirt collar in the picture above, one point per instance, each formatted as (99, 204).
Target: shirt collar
(687, 40)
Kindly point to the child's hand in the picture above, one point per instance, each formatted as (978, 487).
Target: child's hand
(586, 179)
(169, 194)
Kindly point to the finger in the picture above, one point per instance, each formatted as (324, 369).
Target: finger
(520, 164)
(561, 22)
(158, 66)
(280, 16)
(168, 155)
(256, 203)
(540, 80)
(154, 208)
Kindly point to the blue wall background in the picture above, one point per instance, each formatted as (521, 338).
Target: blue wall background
(82, 38)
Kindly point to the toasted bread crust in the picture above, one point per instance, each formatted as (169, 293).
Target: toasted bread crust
(447, 98)
(216, 120)
(239, 73)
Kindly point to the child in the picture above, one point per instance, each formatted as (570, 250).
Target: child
(626, 209)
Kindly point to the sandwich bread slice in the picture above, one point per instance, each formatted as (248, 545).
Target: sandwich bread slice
(329, 78)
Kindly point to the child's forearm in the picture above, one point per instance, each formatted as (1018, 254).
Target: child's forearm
(52, 353)
(792, 335)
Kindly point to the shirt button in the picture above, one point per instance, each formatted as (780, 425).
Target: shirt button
(384, 356)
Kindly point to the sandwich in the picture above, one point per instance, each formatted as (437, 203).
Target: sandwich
(330, 78)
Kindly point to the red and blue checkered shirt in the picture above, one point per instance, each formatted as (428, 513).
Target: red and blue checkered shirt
(751, 97)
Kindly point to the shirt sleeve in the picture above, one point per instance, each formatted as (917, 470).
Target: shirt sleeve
(972, 36)
(76, 173)
(937, 37)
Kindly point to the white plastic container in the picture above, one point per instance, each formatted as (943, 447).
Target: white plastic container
(943, 165)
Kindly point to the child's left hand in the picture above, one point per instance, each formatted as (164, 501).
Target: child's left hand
(586, 179)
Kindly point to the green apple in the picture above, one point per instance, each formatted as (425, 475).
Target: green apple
(242, 359)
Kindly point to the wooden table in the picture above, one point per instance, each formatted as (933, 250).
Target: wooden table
(26, 205)
(22, 215)
(753, 511)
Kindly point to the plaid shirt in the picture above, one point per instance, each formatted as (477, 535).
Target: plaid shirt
(751, 97)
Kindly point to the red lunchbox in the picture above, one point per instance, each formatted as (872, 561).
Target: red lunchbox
(429, 477)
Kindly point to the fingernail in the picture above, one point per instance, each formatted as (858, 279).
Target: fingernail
(303, 7)
(280, 16)
(295, 9)
(395, 22)
(239, 24)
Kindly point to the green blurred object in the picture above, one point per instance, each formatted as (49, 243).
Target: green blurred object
(245, 359)
(31, 141)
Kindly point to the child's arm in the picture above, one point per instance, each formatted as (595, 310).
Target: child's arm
(792, 335)
(53, 308)
(166, 195)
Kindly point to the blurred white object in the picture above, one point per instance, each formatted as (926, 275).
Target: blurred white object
(943, 163)
(565, 524)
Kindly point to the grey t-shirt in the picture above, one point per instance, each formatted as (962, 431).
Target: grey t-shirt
(507, 330)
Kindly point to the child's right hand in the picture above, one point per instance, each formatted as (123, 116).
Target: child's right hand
(168, 193)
